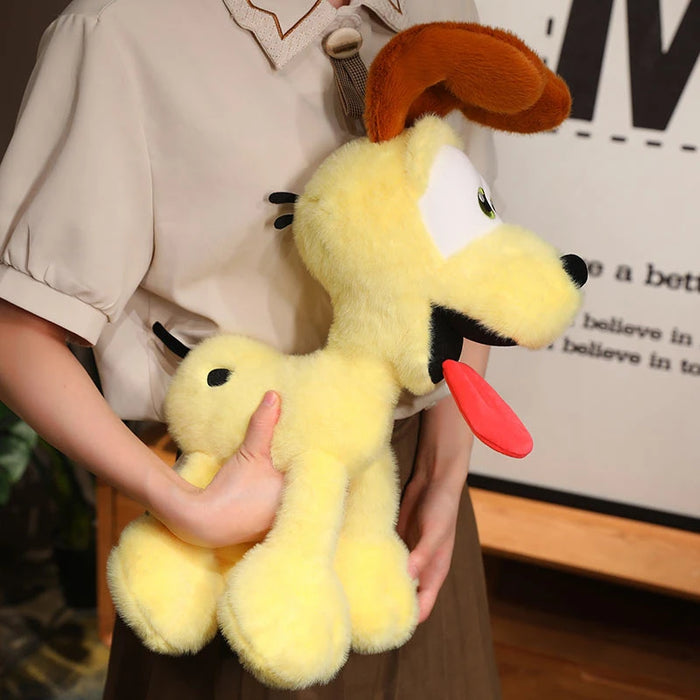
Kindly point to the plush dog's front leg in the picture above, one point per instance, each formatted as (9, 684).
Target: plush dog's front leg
(163, 588)
(372, 562)
(284, 610)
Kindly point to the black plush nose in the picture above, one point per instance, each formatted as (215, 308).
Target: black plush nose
(576, 269)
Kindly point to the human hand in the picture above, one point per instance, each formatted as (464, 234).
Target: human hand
(240, 503)
(427, 523)
(430, 506)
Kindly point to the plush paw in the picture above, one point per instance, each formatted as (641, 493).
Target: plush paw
(381, 594)
(164, 589)
(287, 618)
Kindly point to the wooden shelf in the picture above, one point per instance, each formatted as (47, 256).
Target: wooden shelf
(628, 551)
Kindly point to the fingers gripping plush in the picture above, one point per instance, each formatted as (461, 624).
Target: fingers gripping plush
(400, 230)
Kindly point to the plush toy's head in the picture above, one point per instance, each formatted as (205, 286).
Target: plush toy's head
(400, 228)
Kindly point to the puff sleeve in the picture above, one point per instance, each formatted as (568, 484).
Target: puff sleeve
(76, 220)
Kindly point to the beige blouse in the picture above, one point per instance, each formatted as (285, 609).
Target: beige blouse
(134, 189)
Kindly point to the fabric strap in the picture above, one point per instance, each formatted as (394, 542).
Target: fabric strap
(351, 78)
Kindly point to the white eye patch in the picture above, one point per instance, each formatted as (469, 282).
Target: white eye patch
(456, 206)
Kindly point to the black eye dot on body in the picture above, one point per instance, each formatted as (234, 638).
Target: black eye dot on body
(218, 376)
(485, 204)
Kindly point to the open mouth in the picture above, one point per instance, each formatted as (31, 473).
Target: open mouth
(448, 329)
(490, 418)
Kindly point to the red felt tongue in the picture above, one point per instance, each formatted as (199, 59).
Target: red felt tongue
(491, 419)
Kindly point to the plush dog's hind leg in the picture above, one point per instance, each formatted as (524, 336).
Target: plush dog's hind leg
(372, 562)
(165, 589)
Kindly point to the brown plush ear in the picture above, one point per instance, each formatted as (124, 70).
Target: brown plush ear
(488, 74)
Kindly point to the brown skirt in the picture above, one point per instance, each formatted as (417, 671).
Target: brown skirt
(450, 656)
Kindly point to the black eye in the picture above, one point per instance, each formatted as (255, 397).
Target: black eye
(485, 204)
(217, 377)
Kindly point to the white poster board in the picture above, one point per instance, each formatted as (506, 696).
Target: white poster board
(614, 405)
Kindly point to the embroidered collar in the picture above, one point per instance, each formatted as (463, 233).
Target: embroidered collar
(283, 28)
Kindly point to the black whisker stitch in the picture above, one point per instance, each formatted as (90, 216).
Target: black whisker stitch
(283, 198)
(283, 221)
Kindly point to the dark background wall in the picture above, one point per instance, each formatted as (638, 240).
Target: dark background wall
(22, 22)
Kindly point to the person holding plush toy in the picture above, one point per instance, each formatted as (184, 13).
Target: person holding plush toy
(134, 191)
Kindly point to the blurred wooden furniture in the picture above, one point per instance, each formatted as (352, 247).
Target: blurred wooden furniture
(114, 512)
(627, 551)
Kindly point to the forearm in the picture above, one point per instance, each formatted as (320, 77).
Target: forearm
(42, 382)
(430, 506)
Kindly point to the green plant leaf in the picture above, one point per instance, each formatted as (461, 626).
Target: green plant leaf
(20, 445)
(17, 443)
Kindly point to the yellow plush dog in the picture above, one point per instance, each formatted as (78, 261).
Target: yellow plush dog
(399, 229)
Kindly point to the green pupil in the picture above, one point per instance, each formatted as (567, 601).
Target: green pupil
(485, 205)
